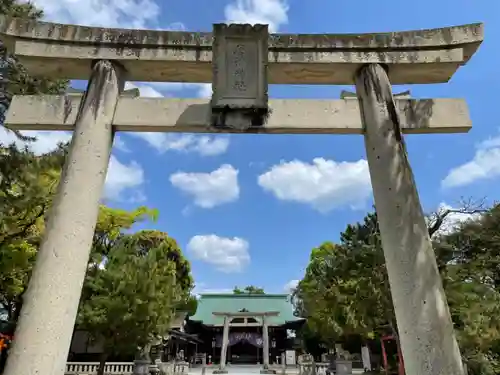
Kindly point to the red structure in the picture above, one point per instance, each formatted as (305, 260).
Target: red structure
(401, 366)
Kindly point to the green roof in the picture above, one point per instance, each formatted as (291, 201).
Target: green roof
(233, 303)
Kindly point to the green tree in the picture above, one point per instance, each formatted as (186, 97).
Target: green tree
(111, 226)
(470, 266)
(15, 267)
(250, 289)
(345, 289)
(344, 292)
(14, 79)
(124, 309)
(475, 246)
(27, 186)
(190, 306)
(22, 226)
(27, 180)
(148, 239)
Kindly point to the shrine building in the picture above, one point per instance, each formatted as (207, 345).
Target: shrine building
(252, 322)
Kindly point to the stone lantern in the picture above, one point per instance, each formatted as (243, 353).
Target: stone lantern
(239, 90)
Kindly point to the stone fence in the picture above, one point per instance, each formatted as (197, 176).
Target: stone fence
(314, 368)
(121, 368)
(320, 368)
(90, 368)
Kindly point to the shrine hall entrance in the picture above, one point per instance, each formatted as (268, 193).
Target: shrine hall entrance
(244, 353)
(245, 345)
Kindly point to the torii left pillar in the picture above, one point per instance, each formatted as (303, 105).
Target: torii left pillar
(225, 344)
(265, 347)
(45, 328)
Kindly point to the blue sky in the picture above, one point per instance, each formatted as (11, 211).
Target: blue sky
(248, 209)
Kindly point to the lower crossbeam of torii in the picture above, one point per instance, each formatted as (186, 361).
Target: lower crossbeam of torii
(107, 58)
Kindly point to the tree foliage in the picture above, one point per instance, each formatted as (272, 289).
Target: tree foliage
(111, 225)
(27, 186)
(145, 275)
(190, 305)
(27, 180)
(14, 79)
(472, 284)
(148, 239)
(345, 288)
(250, 289)
(133, 298)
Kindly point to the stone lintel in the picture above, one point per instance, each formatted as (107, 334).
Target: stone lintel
(65, 51)
(289, 116)
(246, 313)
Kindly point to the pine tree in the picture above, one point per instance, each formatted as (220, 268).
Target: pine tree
(133, 299)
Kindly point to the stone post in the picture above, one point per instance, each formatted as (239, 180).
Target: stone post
(265, 346)
(225, 342)
(45, 328)
(427, 337)
(204, 364)
(366, 357)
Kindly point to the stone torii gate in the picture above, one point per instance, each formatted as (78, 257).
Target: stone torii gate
(263, 316)
(241, 61)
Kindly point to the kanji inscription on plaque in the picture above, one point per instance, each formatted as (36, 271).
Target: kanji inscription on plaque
(240, 66)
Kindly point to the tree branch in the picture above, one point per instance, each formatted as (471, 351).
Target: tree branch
(466, 207)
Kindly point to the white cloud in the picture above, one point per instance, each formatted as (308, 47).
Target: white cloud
(484, 165)
(46, 140)
(209, 189)
(324, 184)
(290, 286)
(201, 90)
(124, 179)
(272, 12)
(202, 288)
(138, 14)
(145, 14)
(205, 90)
(226, 254)
(453, 220)
(176, 26)
(121, 178)
(205, 145)
(120, 144)
(117, 13)
(145, 91)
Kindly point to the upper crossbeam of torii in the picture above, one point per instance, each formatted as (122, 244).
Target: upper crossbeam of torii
(240, 61)
(65, 51)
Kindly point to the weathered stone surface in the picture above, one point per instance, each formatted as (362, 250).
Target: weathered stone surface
(240, 66)
(45, 327)
(45, 112)
(65, 51)
(425, 328)
(239, 89)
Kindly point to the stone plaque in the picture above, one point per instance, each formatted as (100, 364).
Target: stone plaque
(240, 54)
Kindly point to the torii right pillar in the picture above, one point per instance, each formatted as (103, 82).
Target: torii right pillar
(425, 327)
